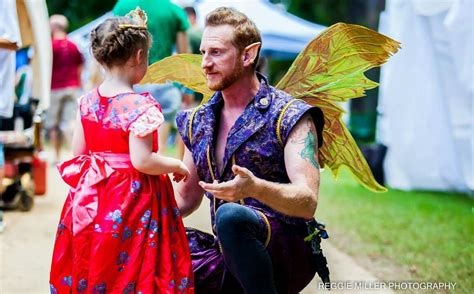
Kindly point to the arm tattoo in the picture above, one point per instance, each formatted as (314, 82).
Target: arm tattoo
(310, 151)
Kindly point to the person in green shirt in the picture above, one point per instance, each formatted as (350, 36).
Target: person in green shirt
(167, 23)
(194, 32)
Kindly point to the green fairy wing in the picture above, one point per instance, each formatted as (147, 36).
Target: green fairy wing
(330, 70)
(182, 68)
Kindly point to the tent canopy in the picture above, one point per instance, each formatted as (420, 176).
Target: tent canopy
(283, 34)
(81, 36)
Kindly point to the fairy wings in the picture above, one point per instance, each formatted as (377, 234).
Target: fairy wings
(328, 71)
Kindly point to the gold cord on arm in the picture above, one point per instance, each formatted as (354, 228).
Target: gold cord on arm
(280, 118)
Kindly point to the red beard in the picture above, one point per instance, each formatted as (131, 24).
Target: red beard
(228, 80)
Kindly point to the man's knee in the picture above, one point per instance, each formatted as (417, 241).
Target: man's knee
(234, 218)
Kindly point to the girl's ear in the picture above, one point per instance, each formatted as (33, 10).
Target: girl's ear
(139, 56)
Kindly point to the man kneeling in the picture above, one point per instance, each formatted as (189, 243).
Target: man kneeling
(253, 151)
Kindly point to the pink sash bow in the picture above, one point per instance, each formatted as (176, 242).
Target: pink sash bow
(83, 173)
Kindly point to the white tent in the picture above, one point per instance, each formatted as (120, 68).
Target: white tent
(26, 23)
(81, 36)
(42, 61)
(284, 35)
(426, 95)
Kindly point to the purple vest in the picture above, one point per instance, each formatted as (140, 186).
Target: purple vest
(256, 140)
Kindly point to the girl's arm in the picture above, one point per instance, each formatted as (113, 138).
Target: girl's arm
(148, 162)
(78, 141)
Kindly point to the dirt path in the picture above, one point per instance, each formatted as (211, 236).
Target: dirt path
(26, 246)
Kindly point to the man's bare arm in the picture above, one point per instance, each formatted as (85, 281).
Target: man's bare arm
(182, 45)
(188, 193)
(298, 198)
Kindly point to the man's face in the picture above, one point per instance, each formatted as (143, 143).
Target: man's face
(221, 60)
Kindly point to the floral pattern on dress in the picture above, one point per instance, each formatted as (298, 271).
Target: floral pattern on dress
(126, 109)
(147, 123)
(122, 260)
(135, 187)
(60, 231)
(82, 287)
(116, 217)
(185, 283)
(99, 289)
(129, 289)
(127, 234)
(67, 281)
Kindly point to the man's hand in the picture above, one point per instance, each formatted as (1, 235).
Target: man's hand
(235, 189)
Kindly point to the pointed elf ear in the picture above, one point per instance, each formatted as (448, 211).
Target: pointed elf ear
(250, 53)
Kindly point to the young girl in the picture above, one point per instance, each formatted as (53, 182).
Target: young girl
(120, 230)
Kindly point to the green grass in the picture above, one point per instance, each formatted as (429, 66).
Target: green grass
(426, 236)
(429, 233)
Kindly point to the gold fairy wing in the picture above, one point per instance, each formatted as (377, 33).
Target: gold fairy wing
(182, 68)
(330, 70)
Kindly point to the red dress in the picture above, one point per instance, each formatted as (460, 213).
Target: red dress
(120, 230)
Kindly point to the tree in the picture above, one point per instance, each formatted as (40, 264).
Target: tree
(328, 12)
(79, 12)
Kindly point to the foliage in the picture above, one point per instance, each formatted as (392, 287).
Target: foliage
(329, 12)
(325, 12)
(79, 12)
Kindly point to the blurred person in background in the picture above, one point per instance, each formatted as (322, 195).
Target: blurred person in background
(194, 32)
(23, 75)
(190, 98)
(167, 23)
(10, 41)
(65, 85)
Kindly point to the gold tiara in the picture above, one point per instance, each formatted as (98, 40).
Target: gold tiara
(138, 17)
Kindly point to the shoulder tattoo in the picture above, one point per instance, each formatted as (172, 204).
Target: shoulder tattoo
(306, 135)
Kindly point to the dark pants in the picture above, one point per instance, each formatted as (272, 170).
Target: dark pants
(240, 262)
(242, 233)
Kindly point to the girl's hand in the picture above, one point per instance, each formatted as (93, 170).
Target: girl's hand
(182, 173)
